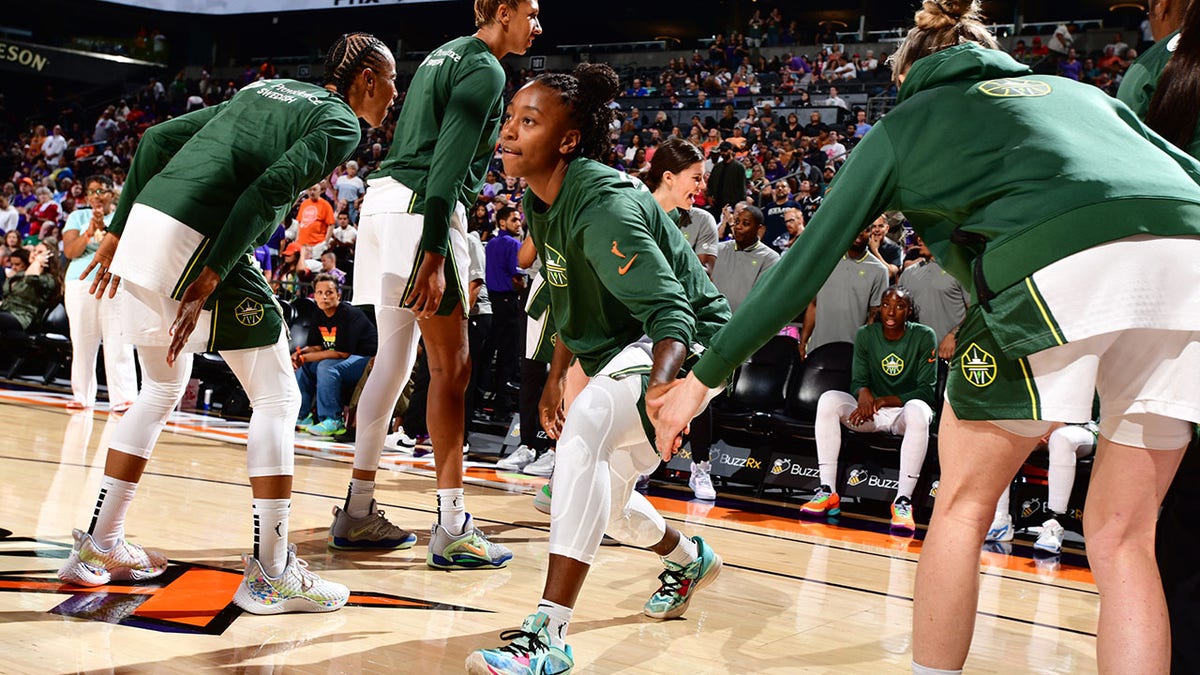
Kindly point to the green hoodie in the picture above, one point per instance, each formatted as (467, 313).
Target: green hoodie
(1000, 171)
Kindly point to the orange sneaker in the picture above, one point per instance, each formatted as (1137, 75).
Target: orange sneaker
(825, 503)
(902, 518)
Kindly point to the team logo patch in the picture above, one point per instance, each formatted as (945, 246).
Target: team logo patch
(248, 312)
(858, 477)
(892, 365)
(780, 466)
(556, 268)
(1008, 87)
(978, 366)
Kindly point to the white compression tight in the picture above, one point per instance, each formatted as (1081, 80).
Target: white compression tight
(394, 360)
(601, 453)
(264, 372)
(1066, 445)
(911, 422)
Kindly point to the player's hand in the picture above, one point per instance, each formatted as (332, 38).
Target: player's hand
(550, 408)
(655, 400)
(101, 261)
(190, 306)
(946, 349)
(429, 286)
(866, 409)
(672, 409)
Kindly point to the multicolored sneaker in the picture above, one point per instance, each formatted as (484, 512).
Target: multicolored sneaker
(528, 652)
(1001, 529)
(327, 427)
(825, 503)
(680, 583)
(541, 499)
(371, 532)
(89, 566)
(902, 517)
(305, 422)
(294, 590)
(1050, 541)
(467, 551)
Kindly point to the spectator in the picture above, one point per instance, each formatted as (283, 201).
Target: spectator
(329, 268)
(815, 126)
(350, 187)
(833, 148)
(9, 218)
(315, 215)
(742, 260)
(106, 127)
(777, 200)
(34, 287)
(848, 298)
(727, 182)
(341, 236)
(505, 281)
(45, 213)
(943, 301)
(883, 249)
(794, 220)
(835, 100)
(861, 126)
(1070, 67)
(334, 358)
(54, 147)
(1063, 39)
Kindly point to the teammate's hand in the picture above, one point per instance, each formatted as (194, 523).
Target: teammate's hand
(946, 348)
(190, 306)
(101, 261)
(654, 404)
(550, 408)
(672, 411)
(428, 287)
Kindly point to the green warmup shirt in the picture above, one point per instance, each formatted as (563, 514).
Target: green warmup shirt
(1141, 80)
(231, 171)
(446, 134)
(906, 368)
(617, 268)
(1000, 171)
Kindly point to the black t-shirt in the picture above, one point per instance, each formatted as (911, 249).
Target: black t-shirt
(814, 130)
(348, 330)
(776, 228)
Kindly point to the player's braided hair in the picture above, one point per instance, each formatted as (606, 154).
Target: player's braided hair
(349, 56)
(586, 93)
(902, 293)
(941, 24)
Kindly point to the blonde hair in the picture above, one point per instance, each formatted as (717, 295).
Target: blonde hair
(485, 10)
(941, 24)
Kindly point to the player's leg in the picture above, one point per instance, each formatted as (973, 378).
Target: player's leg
(912, 423)
(832, 408)
(1065, 446)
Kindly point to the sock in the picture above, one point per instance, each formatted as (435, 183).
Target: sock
(108, 520)
(560, 618)
(359, 498)
(918, 669)
(684, 553)
(270, 534)
(452, 514)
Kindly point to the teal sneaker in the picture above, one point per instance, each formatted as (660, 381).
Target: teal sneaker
(305, 422)
(328, 427)
(528, 652)
(680, 583)
(467, 551)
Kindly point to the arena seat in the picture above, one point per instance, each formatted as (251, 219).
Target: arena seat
(757, 391)
(827, 367)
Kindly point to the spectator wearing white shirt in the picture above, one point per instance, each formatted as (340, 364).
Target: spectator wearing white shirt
(9, 218)
(54, 146)
(835, 100)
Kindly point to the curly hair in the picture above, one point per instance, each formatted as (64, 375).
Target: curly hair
(585, 93)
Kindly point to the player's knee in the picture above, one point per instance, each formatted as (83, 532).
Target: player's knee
(1112, 538)
(830, 401)
(161, 397)
(917, 415)
(283, 401)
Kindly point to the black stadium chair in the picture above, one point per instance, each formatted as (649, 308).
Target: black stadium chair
(827, 367)
(52, 343)
(758, 390)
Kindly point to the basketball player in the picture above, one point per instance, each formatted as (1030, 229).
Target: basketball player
(412, 263)
(191, 213)
(1022, 212)
(617, 269)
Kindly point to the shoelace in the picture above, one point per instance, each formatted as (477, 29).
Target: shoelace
(533, 643)
(307, 579)
(671, 580)
(380, 526)
(903, 509)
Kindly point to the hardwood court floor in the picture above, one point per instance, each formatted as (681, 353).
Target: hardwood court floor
(793, 597)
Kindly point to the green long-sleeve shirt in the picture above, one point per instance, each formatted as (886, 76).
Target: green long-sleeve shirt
(617, 268)
(447, 132)
(906, 368)
(231, 171)
(1001, 173)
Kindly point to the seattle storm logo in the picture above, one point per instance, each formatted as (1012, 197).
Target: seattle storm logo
(978, 366)
(248, 312)
(556, 268)
(892, 365)
(1014, 88)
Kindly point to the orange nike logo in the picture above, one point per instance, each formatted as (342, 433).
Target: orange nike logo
(617, 252)
(625, 268)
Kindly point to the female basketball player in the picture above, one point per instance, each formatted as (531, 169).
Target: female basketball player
(186, 223)
(617, 270)
(996, 169)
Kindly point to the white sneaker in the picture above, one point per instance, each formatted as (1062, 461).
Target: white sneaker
(518, 459)
(294, 590)
(1051, 539)
(1001, 529)
(89, 566)
(701, 481)
(399, 442)
(542, 466)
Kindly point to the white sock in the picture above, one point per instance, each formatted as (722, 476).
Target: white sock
(684, 552)
(918, 669)
(362, 493)
(452, 514)
(108, 520)
(271, 534)
(560, 618)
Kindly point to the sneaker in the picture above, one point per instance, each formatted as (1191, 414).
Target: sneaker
(294, 590)
(467, 551)
(902, 518)
(518, 459)
(89, 566)
(680, 583)
(1051, 539)
(541, 499)
(305, 422)
(643, 484)
(528, 652)
(542, 466)
(1001, 529)
(371, 532)
(701, 481)
(825, 503)
(399, 442)
(328, 427)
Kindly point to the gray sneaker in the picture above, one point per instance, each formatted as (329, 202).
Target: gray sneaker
(467, 551)
(371, 532)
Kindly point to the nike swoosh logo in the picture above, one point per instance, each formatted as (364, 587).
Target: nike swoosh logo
(625, 268)
(617, 252)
